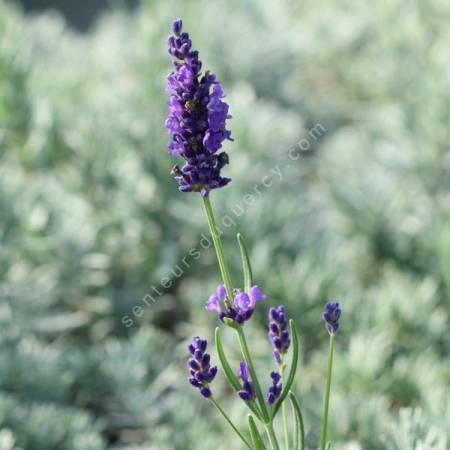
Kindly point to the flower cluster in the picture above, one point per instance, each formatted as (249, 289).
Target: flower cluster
(278, 333)
(247, 392)
(241, 309)
(331, 315)
(197, 118)
(200, 370)
(274, 390)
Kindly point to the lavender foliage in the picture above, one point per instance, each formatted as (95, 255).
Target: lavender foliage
(196, 118)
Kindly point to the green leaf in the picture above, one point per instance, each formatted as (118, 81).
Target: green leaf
(299, 437)
(256, 437)
(292, 370)
(229, 374)
(247, 268)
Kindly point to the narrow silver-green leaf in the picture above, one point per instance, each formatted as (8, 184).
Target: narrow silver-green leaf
(247, 268)
(299, 435)
(292, 370)
(229, 374)
(256, 437)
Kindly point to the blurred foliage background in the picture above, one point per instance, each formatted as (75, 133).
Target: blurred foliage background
(91, 221)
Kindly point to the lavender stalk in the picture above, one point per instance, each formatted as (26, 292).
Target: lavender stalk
(231, 424)
(196, 123)
(218, 247)
(331, 316)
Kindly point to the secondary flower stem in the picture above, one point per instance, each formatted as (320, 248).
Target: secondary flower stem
(251, 367)
(285, 419)
(326, 402)
(285, 426)
(219, 249)
(225, 416)
(272, 438)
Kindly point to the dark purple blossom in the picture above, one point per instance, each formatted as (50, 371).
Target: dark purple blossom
(278, 333)
(200, 370)
(247, 392)
(274, 390)
(240, 309)
(196, 119)
(331, 315)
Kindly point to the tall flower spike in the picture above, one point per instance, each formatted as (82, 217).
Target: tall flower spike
(278, 333)
(196, 118)
(274, 390)
(242, 308)
(200, 370)
(331, 315)
(247, 392)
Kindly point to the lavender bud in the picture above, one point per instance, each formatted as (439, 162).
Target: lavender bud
(199, 368)
(331, 315)
(247, 392)
(278, 333)
(274, 390)
(176, 26)
(206, 392)
(193, 364)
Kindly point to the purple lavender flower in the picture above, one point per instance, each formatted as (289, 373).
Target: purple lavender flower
(242, 307)
(331, 315)
(200, 370)
(247, 392)
(278, 333)
(274, 390)
(197, 118)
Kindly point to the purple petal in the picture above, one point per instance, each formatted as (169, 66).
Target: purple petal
(243, 302)
(213, 304)
(221, 292)
(243, 372)
(256, 295)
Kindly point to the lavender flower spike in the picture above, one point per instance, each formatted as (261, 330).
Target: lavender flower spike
(196, 119)
(200, 370)
(274, 390)
(247, 392)
(331, 315)
(278, 333)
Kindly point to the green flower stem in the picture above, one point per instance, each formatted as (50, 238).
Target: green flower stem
(284, 413)
(248, 360)
(326, 402)
(285, 426)
(272, 438)
(225, 416)
(219, 249)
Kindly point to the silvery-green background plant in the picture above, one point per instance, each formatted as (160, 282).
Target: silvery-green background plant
(90, 220)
